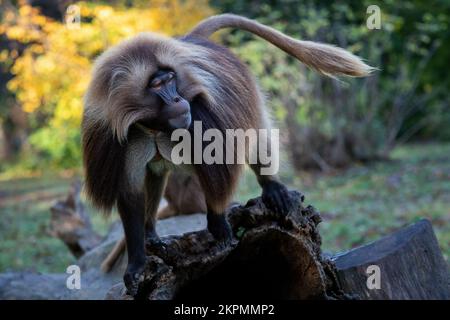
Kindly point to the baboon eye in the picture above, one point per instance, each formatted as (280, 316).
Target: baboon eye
(156, 83)
(161, 77)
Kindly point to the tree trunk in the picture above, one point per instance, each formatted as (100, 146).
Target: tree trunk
(410, 265)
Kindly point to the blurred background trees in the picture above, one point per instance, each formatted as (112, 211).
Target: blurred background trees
(333, 124)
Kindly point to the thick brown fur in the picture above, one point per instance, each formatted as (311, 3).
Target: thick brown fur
(211, 78)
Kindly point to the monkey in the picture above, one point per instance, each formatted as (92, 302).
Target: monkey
(184, 195)
(147, 87)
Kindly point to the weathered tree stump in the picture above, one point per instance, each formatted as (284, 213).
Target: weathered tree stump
(70, 223)
(271, 257)
(410, 263)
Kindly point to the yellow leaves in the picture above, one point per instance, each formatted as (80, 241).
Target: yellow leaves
(68, 110)
(23, 25)
(45, 65)
(15, 32)
(4, 56)
(25, 10)
(52, 74)
(39, 20)
(29, 106)
(177, 17)
(103, 12)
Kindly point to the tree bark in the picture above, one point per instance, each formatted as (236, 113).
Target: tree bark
(70, 222)
(410, 263)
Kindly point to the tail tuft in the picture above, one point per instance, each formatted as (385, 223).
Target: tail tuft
(330, 60)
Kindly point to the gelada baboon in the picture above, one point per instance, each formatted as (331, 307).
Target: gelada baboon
(145, 87)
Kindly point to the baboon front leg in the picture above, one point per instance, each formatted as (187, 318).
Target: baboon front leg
(219, 227)
(275, 195)
(131, 210)
(154, 189)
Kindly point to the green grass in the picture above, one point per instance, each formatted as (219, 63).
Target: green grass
(24, 211)
(26, 243)
(366, 202)
(357, 206)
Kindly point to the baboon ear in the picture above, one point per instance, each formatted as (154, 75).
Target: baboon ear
(104, 159)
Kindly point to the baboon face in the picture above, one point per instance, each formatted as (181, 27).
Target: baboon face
(174, 111)
(136, 86)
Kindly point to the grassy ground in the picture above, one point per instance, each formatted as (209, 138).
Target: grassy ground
(26, 243)
(366, 202)
(357, 206)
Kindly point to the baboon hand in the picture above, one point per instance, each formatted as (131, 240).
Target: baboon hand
(155, 245)
(275, 196)
(219, 227)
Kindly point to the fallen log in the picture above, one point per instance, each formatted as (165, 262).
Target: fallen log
(280, 258)
(271, 257)
(70, 222)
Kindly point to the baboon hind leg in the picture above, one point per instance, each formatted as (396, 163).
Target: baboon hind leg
(131, 212)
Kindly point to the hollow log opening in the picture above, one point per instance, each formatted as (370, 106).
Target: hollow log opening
(260, 267)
